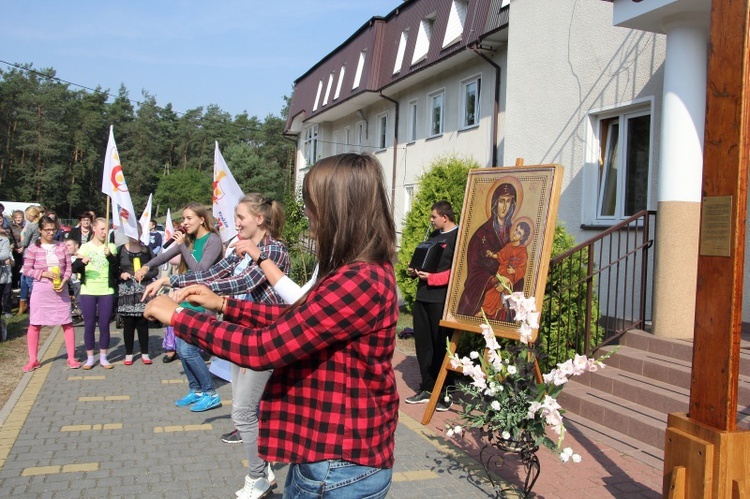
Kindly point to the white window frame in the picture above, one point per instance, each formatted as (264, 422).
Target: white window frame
(310, 145)
(317, 95)
(408, 198)
(401, 51)
(335, 145)
(360, 68)
(424, 35)
(347, 139)
(432, 98)
(463, 111)
(337, 93)
(599, 154)
(360, 135)
(411, 121)
(382, 131)
(456, 22)
(328, 89)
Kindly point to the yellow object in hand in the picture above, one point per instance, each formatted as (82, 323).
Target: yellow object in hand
(136, 263)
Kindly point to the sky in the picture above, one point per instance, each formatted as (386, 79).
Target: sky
(242, 55)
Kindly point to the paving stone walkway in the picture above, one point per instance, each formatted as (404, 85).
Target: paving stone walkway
(117, 433)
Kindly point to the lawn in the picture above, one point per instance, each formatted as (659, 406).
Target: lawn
(14, 354)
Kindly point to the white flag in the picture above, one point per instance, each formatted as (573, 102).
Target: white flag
(116, 225)
(226, 195)
(145, 222)
(168, 228)
(114, 185)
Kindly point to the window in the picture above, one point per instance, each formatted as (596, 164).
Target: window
(360, 135)
(408, 197)
(436, 114)
(470, 102)
(423, 39)
(335, 142)
(382, 131)
(401, 51)
(317, 96)
(338, 85)
(360, 67)
(411, 121)
(625, 156)
(456, 20)
(328, 89)
(347, 139)
(310, 145)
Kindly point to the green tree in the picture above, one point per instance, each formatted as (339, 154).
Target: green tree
(445, 179)
(183, 186)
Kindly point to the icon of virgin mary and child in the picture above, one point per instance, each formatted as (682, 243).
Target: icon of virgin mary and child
(497, 256)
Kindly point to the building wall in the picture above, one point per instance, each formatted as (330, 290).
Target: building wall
(566, 61)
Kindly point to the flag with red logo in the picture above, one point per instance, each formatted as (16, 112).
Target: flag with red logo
(114, 186)
(145, 222)
(168, 227)
(226, 195)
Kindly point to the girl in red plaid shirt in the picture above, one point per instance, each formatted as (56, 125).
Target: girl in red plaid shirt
(330, 407)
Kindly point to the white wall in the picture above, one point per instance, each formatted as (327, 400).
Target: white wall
(565, 60)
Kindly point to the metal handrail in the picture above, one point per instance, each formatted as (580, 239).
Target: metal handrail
(599, 289)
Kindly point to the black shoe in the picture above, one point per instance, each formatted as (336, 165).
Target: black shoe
(233, 437)
(169, 358)
(444, 403)
(420, 398)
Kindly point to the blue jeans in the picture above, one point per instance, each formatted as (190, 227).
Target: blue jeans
(26, 284)
(335, 478)
(199, 379)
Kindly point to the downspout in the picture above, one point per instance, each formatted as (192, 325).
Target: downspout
(496, 111)
(395, 153)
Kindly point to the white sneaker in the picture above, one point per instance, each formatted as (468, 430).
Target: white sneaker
(255, 488)
(271, 476)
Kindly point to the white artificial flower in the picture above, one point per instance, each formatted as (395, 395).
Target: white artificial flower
(564, 457)
(512, 370)
(449, 433)
(458, 430)
(495, 405)
(568, 451)
(506, 435)
(576, 458)
(474, 355)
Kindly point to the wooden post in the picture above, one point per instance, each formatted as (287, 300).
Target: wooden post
(715, 457)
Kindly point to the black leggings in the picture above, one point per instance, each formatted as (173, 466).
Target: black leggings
(130, 325)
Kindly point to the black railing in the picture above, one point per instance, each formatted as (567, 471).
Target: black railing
(599, 289)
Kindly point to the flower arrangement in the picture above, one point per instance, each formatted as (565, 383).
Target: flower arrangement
(504, 398)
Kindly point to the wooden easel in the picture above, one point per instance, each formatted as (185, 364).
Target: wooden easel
(705, 455)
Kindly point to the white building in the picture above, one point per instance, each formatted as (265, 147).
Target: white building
(549, 81)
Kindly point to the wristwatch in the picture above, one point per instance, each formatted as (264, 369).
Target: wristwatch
(263, 256)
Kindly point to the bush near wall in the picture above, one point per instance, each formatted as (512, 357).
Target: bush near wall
(444, 179)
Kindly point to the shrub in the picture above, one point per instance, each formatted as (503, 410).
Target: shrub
(563, 320)
(445, 179)
(295, 236)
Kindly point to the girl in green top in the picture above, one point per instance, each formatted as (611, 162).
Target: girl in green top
(200, 247)
(98, 277)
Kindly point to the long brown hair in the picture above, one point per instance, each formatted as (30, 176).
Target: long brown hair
(349, 211)
(272, 211)
(208, 224)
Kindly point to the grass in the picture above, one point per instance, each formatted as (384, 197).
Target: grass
(14, 354)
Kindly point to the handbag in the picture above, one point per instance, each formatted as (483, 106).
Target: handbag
(427, 255)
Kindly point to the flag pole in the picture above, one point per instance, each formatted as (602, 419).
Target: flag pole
(107, 216)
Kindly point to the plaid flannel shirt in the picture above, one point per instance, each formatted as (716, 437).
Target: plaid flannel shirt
(333, 393)
(221, 280)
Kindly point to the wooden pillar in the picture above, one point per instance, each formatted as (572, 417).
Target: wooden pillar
(704, 454)
(718, 314)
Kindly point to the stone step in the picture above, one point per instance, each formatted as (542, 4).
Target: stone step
(626, 417)
(681, 350)
(664, 369)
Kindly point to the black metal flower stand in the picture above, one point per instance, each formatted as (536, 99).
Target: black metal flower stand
(523, 447)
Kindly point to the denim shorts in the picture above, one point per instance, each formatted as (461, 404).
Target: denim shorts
(335, 478)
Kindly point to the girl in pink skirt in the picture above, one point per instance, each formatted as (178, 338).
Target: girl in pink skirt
(48, 263)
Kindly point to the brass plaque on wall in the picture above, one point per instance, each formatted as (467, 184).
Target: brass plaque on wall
(716, 226)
